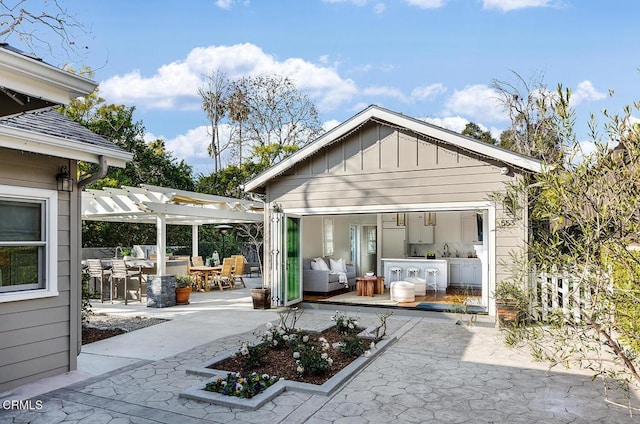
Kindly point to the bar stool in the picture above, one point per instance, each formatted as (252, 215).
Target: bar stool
(412, 271)
(434, 280)
(395, 271)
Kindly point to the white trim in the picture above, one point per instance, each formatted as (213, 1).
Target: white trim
(39, 79)
(50, 197)
(420, 127)
(391, 208)
(31, 141)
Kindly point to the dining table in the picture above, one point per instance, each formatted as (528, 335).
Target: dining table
(205, 275)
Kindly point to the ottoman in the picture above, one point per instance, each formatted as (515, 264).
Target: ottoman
(420, 285)
(402, 291)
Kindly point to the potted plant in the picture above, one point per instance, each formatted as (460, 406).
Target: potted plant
(126, 254)
(183, 289)
(511, 303)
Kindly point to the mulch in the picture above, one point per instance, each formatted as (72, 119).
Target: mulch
(90, 335)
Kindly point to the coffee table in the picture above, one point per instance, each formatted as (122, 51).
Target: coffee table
(369, 286)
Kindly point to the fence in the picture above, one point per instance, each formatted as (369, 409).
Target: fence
(553, 291)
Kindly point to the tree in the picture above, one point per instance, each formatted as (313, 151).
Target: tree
(37, 23)
(215, 103)
(151, 164)
(277, 119)
(590, 206)
(473, 130)
(532, 110)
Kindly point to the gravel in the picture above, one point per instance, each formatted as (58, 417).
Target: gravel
(110, 322)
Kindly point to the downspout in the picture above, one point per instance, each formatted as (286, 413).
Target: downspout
(103, 167)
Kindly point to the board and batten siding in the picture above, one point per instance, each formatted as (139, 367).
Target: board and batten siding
(41, 337)
(380, 165)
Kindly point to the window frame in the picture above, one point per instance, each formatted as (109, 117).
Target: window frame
(327, 236)
(49, 201)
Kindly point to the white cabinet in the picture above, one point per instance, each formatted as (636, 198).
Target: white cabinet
(469, 227)
(418, 232)
(465, 272)
(448, 228)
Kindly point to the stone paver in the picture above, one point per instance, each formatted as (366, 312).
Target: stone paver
(436, 372)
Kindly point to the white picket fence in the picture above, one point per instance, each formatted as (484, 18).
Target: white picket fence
(556, 290)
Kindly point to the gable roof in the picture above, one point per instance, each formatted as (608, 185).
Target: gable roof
(51, 133)
(395, 119)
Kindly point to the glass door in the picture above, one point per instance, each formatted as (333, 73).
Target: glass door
(292, 260)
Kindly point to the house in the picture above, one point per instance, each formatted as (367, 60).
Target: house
(40, 225)
(382, 186)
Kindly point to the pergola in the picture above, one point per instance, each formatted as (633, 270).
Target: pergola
(167, 206)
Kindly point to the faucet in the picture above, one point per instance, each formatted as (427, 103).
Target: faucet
(445, 251)
(120, 249)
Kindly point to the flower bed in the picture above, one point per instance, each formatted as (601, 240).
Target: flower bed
(304, 361)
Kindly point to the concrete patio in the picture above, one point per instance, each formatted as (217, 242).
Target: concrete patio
(437, 371)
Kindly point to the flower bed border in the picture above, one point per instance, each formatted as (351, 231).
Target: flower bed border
(197, 392)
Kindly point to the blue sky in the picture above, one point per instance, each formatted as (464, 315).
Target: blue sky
(431, 59)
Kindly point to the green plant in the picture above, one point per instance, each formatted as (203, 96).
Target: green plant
(345, 324)
(242, 385)
(183, 281)
(507, 291)
(352, 345)
(86, 310)
(252, 355)
(311, 355)
(126, 252)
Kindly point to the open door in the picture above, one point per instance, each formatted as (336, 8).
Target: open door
(286, 271)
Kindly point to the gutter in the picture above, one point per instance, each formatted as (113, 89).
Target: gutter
(103, 167)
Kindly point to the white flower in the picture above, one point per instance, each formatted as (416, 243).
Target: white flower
(269, 325)
(329, 361)
(322, 339)
(265, 376)
(239, 387)
(244, 350)
(237, 375)
(285, 337)
(372, 345)
(275, 343)
(224, 383)
(305, 338)
(269, 338)
(296, 355)
(268, 334)
(325, 355)
(367, 353)
(300, 369)
(351, 326)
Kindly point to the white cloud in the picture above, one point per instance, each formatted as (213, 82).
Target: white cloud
(356, 2)
(453, 123)
(383, 91)
(479, 102)
(428, 92)
(426, 4)
(379, 8)
(328, 125)
(224, 4)
(508, 5)
(585, 92)
(175, 85)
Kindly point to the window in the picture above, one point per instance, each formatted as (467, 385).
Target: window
(327, 224)
(28, 243)
(371, 240)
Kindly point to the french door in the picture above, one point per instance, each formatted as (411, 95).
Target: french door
(286, 258)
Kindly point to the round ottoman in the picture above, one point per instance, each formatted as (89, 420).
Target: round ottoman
(402, 291)
(419, 284)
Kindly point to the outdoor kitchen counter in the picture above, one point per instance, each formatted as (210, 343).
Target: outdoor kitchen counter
(422, 264)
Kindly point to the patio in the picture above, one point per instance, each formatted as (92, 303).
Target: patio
(436, 372)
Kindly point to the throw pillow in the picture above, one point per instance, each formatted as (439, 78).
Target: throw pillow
(314, 265)
(322, 264)
(337, 265)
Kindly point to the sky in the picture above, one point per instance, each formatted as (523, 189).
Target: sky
(428, 59)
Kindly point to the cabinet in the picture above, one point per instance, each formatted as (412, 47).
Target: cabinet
(465, 272)
(418, 232)
(469, 227)
(448, 228)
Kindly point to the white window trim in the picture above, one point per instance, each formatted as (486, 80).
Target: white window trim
(50, 198)
(327, 236)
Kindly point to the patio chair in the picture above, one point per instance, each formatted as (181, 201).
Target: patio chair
(225, 277)
(238, 269)
(197, 261)
(98, 272)
(120, 271)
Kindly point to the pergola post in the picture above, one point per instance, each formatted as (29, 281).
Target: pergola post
(194, 240)
(161, 244)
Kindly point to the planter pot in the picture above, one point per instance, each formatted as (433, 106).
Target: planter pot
(261, 298)
(182, 295)
(509, 314)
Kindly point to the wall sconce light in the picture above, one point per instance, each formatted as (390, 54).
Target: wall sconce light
(65, 182)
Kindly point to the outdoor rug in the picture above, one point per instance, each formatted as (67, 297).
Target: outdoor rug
(445, 307)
